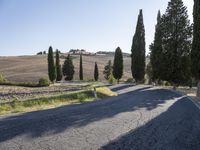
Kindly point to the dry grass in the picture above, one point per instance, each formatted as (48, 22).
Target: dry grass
(31, 68)
(106, 91)
(186, 90)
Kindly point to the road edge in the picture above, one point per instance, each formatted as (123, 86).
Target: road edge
(197, 104)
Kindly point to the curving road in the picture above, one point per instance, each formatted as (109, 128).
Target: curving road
(140, 118)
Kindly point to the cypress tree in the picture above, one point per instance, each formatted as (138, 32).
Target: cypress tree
(118, 64)
(51, 65)
(96, 72)
(176, 43)
(58, 67)
(107, 70)
(81, 68)
(195, 54)
(138, 50)
(68, 68)
(156, 51)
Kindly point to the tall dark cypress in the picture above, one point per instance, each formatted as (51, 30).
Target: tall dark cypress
(96, 72)
(176, 43)
(81, 68)
(51, 65)
(195, 55)
(68, 68)
(156, 51)
(138, 51)
(58, 67)
(108, 70)
(118, 64)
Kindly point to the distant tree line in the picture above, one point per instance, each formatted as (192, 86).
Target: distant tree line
(41, 53)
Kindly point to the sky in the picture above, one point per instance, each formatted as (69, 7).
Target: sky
(30, 26)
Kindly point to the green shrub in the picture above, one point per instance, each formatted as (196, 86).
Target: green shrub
(44, 82)
(111, 79)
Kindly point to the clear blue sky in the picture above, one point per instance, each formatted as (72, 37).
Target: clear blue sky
(29, 26)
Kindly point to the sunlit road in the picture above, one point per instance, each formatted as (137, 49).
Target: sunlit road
(140, 118)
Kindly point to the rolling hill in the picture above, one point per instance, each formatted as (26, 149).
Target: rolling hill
(31, 68)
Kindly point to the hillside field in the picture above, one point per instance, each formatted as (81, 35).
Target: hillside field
(31, 68)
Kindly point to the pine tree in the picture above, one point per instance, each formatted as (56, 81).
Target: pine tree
(156, 51)
(58, 67)
(51, 65)
(96, 72)
(195, 54)
(118, 64)
(176, 43)
(138, 51)
(81, 68)
(107, 70)
(68, 68)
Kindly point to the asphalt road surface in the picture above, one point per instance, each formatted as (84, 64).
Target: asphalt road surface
(140, 118)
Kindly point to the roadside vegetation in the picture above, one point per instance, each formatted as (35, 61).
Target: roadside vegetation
(53, 101)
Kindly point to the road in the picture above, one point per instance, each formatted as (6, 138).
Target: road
(140, 118)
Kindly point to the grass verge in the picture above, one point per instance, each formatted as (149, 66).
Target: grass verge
(103, 92)
(54, 101)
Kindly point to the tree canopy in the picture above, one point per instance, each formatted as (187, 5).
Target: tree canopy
(68, 68)
(138, 50)
(118, 64)
(176, 43)
(51, 65)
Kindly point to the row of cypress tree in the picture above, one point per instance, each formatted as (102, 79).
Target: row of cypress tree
(115, 70)
(174, 56)
(68, 69)
(56, 72)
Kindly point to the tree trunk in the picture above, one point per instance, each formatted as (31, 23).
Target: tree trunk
(198, 89)
(174, 87)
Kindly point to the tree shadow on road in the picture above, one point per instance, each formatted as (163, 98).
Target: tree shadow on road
(53, 121)
(175, 129)
(118, 87)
